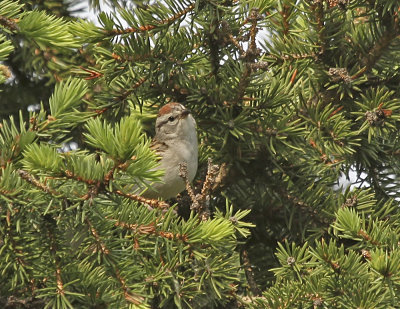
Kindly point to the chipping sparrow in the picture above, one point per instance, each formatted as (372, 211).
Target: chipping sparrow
(175, 142)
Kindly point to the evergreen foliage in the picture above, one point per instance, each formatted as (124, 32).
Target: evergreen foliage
(289, 96)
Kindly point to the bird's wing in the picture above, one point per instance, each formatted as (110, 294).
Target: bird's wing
(158, 147)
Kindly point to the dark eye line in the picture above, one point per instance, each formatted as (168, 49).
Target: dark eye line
(170, 119)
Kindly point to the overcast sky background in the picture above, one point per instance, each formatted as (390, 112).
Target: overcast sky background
(89, 13)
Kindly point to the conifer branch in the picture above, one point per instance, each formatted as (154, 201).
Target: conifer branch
(70, 175)
(143, 229)
(131, 58)
(183, 173)
(213, 45)
(243, 83)
(227, 31)
(318, 9)
(100, 244)
(326, 257)
(18, 252)
(7, 194)
(304, 207)
(53, 250)
(151, 202)
(271, 125)
(249, 56)
(49, 59)
(159, 23)
(121, 58)
(380, 47)
(92, 73)
(285, 19)
(200, 202)
(15, 302)
(249, 273)
(129, 297)
(290, 57)
(126, 93)
(9, 23)
(121, 98)
(212, 171)
(32, 180)
(150, 229)
(324, 157)
(367, 237)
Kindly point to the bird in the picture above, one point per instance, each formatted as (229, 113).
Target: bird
(175, 142)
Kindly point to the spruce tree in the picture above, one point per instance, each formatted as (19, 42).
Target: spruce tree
(289, 98)
(35, 70)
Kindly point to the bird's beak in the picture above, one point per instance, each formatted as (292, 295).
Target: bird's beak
(185, 113)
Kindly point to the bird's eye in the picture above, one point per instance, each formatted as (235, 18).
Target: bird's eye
(171, 118)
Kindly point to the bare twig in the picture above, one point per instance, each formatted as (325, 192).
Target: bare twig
(183, 172)
(220, 177)
(201, 201)
(212, 172)
(249, 274)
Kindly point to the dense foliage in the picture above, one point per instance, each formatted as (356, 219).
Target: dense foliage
(291, 98)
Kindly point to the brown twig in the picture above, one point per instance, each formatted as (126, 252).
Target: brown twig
(32, 180)
(380, 47)
(150, 229)
(318, 8)
(128, 295)
(92, 73)
(249, 273)
(120, 98)
(377, 50)
(200, 202)
(287, 57)
(243, 82)
(367, 237)
(70, 175)
(18, 252)
(53, 250)
(226, 30)
(95, 234)
(151, 202)
(126, 93)
(285, 20)
(249, 56)
(183, 173)
(9, 23)
(212, 172)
